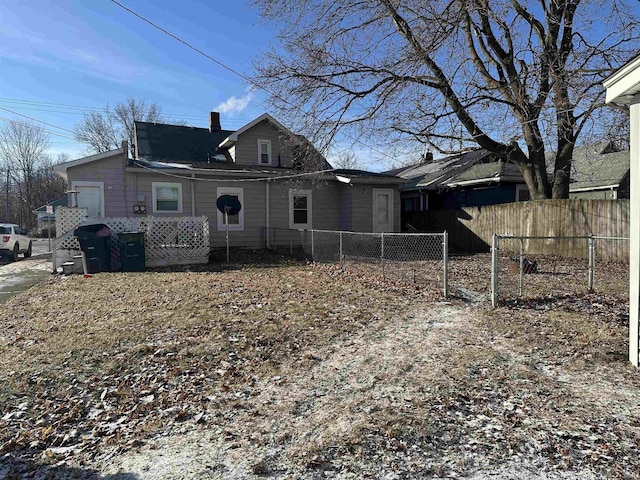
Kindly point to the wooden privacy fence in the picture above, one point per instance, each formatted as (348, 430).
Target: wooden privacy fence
(168, 240)
(472, 228)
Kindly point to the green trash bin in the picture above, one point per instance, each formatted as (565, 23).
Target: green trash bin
(131, 251)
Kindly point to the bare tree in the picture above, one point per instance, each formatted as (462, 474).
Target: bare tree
(105, 131)
(520, 79)
(346, 159)
(22, 150)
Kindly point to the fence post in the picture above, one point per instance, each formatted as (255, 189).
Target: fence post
(313, 248)
(494, 271)
(445, 256)
(341, 254)
(521, 267)
(592, 257)
(382, 252)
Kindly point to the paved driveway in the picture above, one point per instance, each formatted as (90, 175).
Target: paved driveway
(16, 277)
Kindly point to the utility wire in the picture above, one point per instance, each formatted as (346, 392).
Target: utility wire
(8, 120)
(36, 120)
(241, 75)
(243, 180)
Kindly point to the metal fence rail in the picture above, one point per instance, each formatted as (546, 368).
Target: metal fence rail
(410, 257)
(518, 268)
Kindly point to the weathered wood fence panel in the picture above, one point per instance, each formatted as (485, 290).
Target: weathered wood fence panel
(471, 228)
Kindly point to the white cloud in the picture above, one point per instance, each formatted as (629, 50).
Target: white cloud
(235, 104)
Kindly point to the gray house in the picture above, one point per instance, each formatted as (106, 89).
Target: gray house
(281, 181)
(600, 171)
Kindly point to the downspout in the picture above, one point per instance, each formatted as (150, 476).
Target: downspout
(193, 194)
(125, 162)
(268, 233)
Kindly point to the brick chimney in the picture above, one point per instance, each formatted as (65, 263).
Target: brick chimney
(214, 122)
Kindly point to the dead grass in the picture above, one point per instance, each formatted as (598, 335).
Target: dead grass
(302, 371)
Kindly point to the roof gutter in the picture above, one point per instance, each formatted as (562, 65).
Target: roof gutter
(485, 180)
(589, 189)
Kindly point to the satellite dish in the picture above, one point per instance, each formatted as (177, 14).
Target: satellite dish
(228, 204)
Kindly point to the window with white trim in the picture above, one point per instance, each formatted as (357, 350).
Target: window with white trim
(300, 209)
(236, 222)
(264, 152)
(167, 197)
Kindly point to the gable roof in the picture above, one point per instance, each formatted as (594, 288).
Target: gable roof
(597, 166)
(177, 143)
(61, 168)
(233, 136)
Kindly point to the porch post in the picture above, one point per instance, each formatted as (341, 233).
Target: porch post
(634, 231)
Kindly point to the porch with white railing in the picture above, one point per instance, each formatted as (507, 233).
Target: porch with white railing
(168, 240)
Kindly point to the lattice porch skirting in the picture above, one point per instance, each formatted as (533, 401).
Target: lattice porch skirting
(168, 240)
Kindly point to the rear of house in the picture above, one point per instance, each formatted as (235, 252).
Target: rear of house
(281, 181)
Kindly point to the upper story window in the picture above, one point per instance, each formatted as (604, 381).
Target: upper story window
(264, 152)
(167, 197)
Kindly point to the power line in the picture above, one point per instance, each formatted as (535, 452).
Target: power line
(36, 120)
(81, 110)
(8, 120)
(243, 180)
(235, 72)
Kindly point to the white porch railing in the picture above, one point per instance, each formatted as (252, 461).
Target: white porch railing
(168, 240)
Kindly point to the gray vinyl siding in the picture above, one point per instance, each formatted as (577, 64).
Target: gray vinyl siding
(118, 194)
(253, 207)
(246, 148)
(362, 207)
(144, 186)
(335, 205)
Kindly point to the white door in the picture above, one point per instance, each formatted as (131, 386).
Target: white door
(91, 196)
(382, 210)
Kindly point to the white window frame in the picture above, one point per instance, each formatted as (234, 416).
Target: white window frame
(156, 185)
(300, 226)
(239, 192)
(261, 142)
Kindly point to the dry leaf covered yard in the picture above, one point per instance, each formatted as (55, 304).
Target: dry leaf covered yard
(309, 371)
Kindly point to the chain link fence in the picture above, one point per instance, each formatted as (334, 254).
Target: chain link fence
(535, 266)
(407, 257)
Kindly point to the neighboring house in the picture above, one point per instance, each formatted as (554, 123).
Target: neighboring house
(470, 179)
(281, 181)
(45, 219)
(600, 171)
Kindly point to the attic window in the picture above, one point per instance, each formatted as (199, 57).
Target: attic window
(264, 152)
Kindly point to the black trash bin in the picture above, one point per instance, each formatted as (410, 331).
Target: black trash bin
(132, 256)
(95, 242)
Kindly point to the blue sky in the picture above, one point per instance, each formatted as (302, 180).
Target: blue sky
(76, 55)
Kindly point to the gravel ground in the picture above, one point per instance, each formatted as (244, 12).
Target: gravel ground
(312, 371)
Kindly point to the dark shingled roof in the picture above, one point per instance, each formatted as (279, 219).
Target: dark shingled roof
(349, 172)
(597, 166)
(487, 171)
(176, 143)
